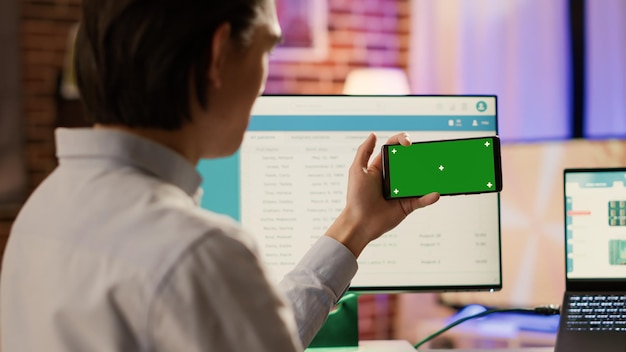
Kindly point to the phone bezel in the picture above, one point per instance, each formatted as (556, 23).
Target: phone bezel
(497, 167)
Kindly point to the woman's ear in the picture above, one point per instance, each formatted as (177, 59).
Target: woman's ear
(219, 49)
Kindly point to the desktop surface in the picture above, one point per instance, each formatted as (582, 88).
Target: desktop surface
(370, 346)
(405, 346)
(520, 349)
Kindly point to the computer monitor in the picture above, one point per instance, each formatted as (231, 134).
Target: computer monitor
(287, 183)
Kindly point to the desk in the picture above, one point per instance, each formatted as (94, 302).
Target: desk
(370, 346)
(521, 349)
(404, 346)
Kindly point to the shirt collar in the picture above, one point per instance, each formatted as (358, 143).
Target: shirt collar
(131, 149)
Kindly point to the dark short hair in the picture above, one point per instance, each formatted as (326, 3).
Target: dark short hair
(135, 58)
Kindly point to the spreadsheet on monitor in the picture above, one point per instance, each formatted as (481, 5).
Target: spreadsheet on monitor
(288, 181)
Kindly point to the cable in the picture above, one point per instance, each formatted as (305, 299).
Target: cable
(542, 310)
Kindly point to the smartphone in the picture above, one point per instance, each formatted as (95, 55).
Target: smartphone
(450, 167)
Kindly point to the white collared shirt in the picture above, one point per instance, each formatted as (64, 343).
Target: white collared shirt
(112, 253)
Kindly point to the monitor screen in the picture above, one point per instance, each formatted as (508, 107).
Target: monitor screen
(288, 181)
(595, 218)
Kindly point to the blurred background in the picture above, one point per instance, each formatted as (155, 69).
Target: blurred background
(558, 68)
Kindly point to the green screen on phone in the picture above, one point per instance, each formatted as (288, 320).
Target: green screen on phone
(461, 166)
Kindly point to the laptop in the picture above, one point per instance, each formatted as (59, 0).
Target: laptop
(593, 313)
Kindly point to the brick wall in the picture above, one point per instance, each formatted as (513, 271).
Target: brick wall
(44, 32)
(360, 32)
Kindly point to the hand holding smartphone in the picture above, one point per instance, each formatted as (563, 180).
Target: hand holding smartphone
(449, 167)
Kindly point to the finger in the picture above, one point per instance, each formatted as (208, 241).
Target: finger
(400, 138)
(364, 152)
(424, 200)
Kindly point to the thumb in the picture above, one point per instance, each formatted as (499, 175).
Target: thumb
(424, 200)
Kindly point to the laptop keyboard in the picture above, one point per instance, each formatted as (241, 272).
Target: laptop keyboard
(596, 313)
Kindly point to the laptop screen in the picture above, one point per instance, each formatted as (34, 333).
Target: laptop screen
(595, 224)
(287, 184)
